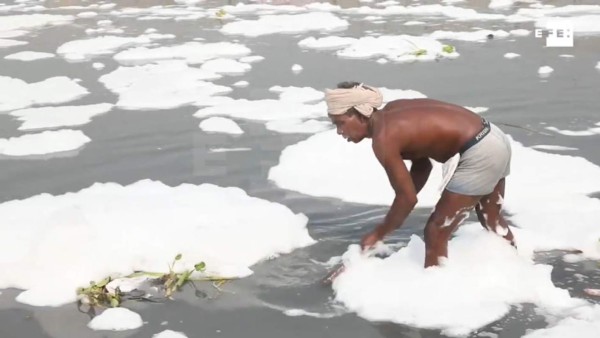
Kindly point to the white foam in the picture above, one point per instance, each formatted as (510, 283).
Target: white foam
(585, 132)
(584, 24)
(104, 22)
(326, 43)
(400, 290)
(570, 10)
(52, 117)
(103, 45)
(18, 94)
(29, 56)
(598, 65)
(298, 94)
(387, 3)
(86, 15)
(566, 56)
(170, 333)
(573, 258)
(224, 150)
(520, 32)
(164, 85)
(298, 126)
(511, 55)
(414, 23)
(221, 125)
(262, 9)
(479, 35)
(286, 23)
(62, 238)
(300, 312)
(496, 4)
(252, 59)
(478, 110)
(47, 142)
(191, 52)
(12, 34)
(226, 66)
(584, 321)
(241, 84)
(457, 13)
(5, 43)
(116, 319)
(32, 21)
(398, 48)
(98, 65)
(552, 147)
(372, 18)
(544, 70)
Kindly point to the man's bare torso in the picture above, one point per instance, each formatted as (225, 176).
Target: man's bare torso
(424, 128)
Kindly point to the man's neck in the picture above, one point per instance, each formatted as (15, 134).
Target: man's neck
(370, 123)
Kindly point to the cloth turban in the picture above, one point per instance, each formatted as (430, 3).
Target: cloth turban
(362, 98)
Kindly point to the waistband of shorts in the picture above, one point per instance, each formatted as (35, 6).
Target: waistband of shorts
(486, 128)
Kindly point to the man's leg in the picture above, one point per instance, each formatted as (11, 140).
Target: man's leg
(489, 213)
(451, 210)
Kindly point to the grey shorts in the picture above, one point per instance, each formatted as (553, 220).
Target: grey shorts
(483, 165)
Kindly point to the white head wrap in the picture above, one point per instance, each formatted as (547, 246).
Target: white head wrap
(362, 98)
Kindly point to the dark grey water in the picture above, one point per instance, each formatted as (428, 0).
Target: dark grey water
(168, 146)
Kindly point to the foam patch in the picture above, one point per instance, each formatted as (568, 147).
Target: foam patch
(20, 94)
(65, 116)
(163, 85)
(285, 23)
(62, 238)
(47, 142)
(191, 52)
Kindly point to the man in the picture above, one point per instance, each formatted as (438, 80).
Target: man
(419, 130)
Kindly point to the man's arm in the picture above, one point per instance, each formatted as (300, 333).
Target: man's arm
(419, 172)
(402, 183)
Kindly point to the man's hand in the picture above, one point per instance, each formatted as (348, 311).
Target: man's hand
(369, 240)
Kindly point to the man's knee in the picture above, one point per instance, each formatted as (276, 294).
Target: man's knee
(437, 226)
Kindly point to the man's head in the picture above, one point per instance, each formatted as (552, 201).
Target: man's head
(350, 106)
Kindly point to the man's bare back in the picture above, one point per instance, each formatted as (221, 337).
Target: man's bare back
(420, 130)
(424, 128)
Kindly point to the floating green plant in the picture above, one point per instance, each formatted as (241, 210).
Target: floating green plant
(99, 295)
(220, 13)
(420, 52)
(448, 49)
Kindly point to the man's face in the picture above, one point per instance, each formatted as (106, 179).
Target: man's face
(349, 126)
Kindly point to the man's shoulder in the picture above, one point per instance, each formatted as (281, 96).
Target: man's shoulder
(403, 105)
(388, 132)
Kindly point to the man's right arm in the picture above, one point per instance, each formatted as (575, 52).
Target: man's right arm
(401, 181)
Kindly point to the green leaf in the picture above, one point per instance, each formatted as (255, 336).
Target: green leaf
(420, 52)
(114, 302)
(178, 257)
(448, 49)
(103, 282)
(200, 266)
(181, 280)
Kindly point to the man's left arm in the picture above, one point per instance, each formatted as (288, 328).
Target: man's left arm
(419, 172)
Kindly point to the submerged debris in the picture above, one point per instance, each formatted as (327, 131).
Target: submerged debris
(141, 286)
